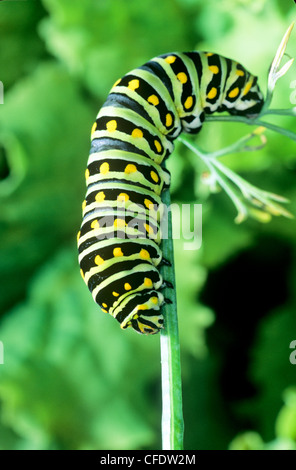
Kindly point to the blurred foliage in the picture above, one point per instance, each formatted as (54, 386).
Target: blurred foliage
(285, 430)
(40, 189)
(59, 389)
(71, 379)
(18, 26)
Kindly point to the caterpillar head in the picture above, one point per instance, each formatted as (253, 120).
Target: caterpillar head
(147, 325)
(146, 318)
(249, 101)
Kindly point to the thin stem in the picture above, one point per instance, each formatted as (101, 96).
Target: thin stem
(172, 411)
(210, 162)
(275, 72)
(172, 414)
(280, 112)
(253, 122)
(280, 130)
(229, 181)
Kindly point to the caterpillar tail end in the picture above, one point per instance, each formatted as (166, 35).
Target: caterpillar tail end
(144, 325)
(146, 318)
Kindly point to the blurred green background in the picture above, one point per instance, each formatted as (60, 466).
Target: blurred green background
(71, 379)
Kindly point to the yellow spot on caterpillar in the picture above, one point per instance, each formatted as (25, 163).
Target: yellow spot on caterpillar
(104, 305)
(189, 102)
(212, 93)
(182, 77)
(119, 223)
(168, 120)
(214, 69)
(154, 300)
(248, 87)
(95, 224)
(87, 174)
(111, 126)
(84, 205)
(209, 54)
(115, 294)
(170, 59)
(99, 260)
(134, 84)
(94, 127)
(130, 168)
(137, 133)
(104, 168)
(142, 307)
(148, 203)
(82, 274)
(117, 252)
(78, 236)
(100, 196)
(122, 197)
(116, 83)
(149, 229)
(158, 146)
(148, 282)
(127, 286)
(103, 310)
(233, 93)
(240, 73)
(153, 100)
(154, 176)
(144, 254)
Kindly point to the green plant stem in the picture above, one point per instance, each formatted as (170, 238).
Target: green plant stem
(281, 112)
(254, 122)
(210, 163)
(172, 414)
(172, 410)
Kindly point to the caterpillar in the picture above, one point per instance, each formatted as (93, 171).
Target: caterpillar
(119, 252)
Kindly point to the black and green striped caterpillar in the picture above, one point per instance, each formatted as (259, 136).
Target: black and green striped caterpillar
(133, 134)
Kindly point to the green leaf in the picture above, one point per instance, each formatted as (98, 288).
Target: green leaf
(63, 383)
(44, 134)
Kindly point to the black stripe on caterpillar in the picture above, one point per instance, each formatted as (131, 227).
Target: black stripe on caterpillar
(145, 111)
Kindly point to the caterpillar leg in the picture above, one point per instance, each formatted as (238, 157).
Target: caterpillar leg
(166, 284)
